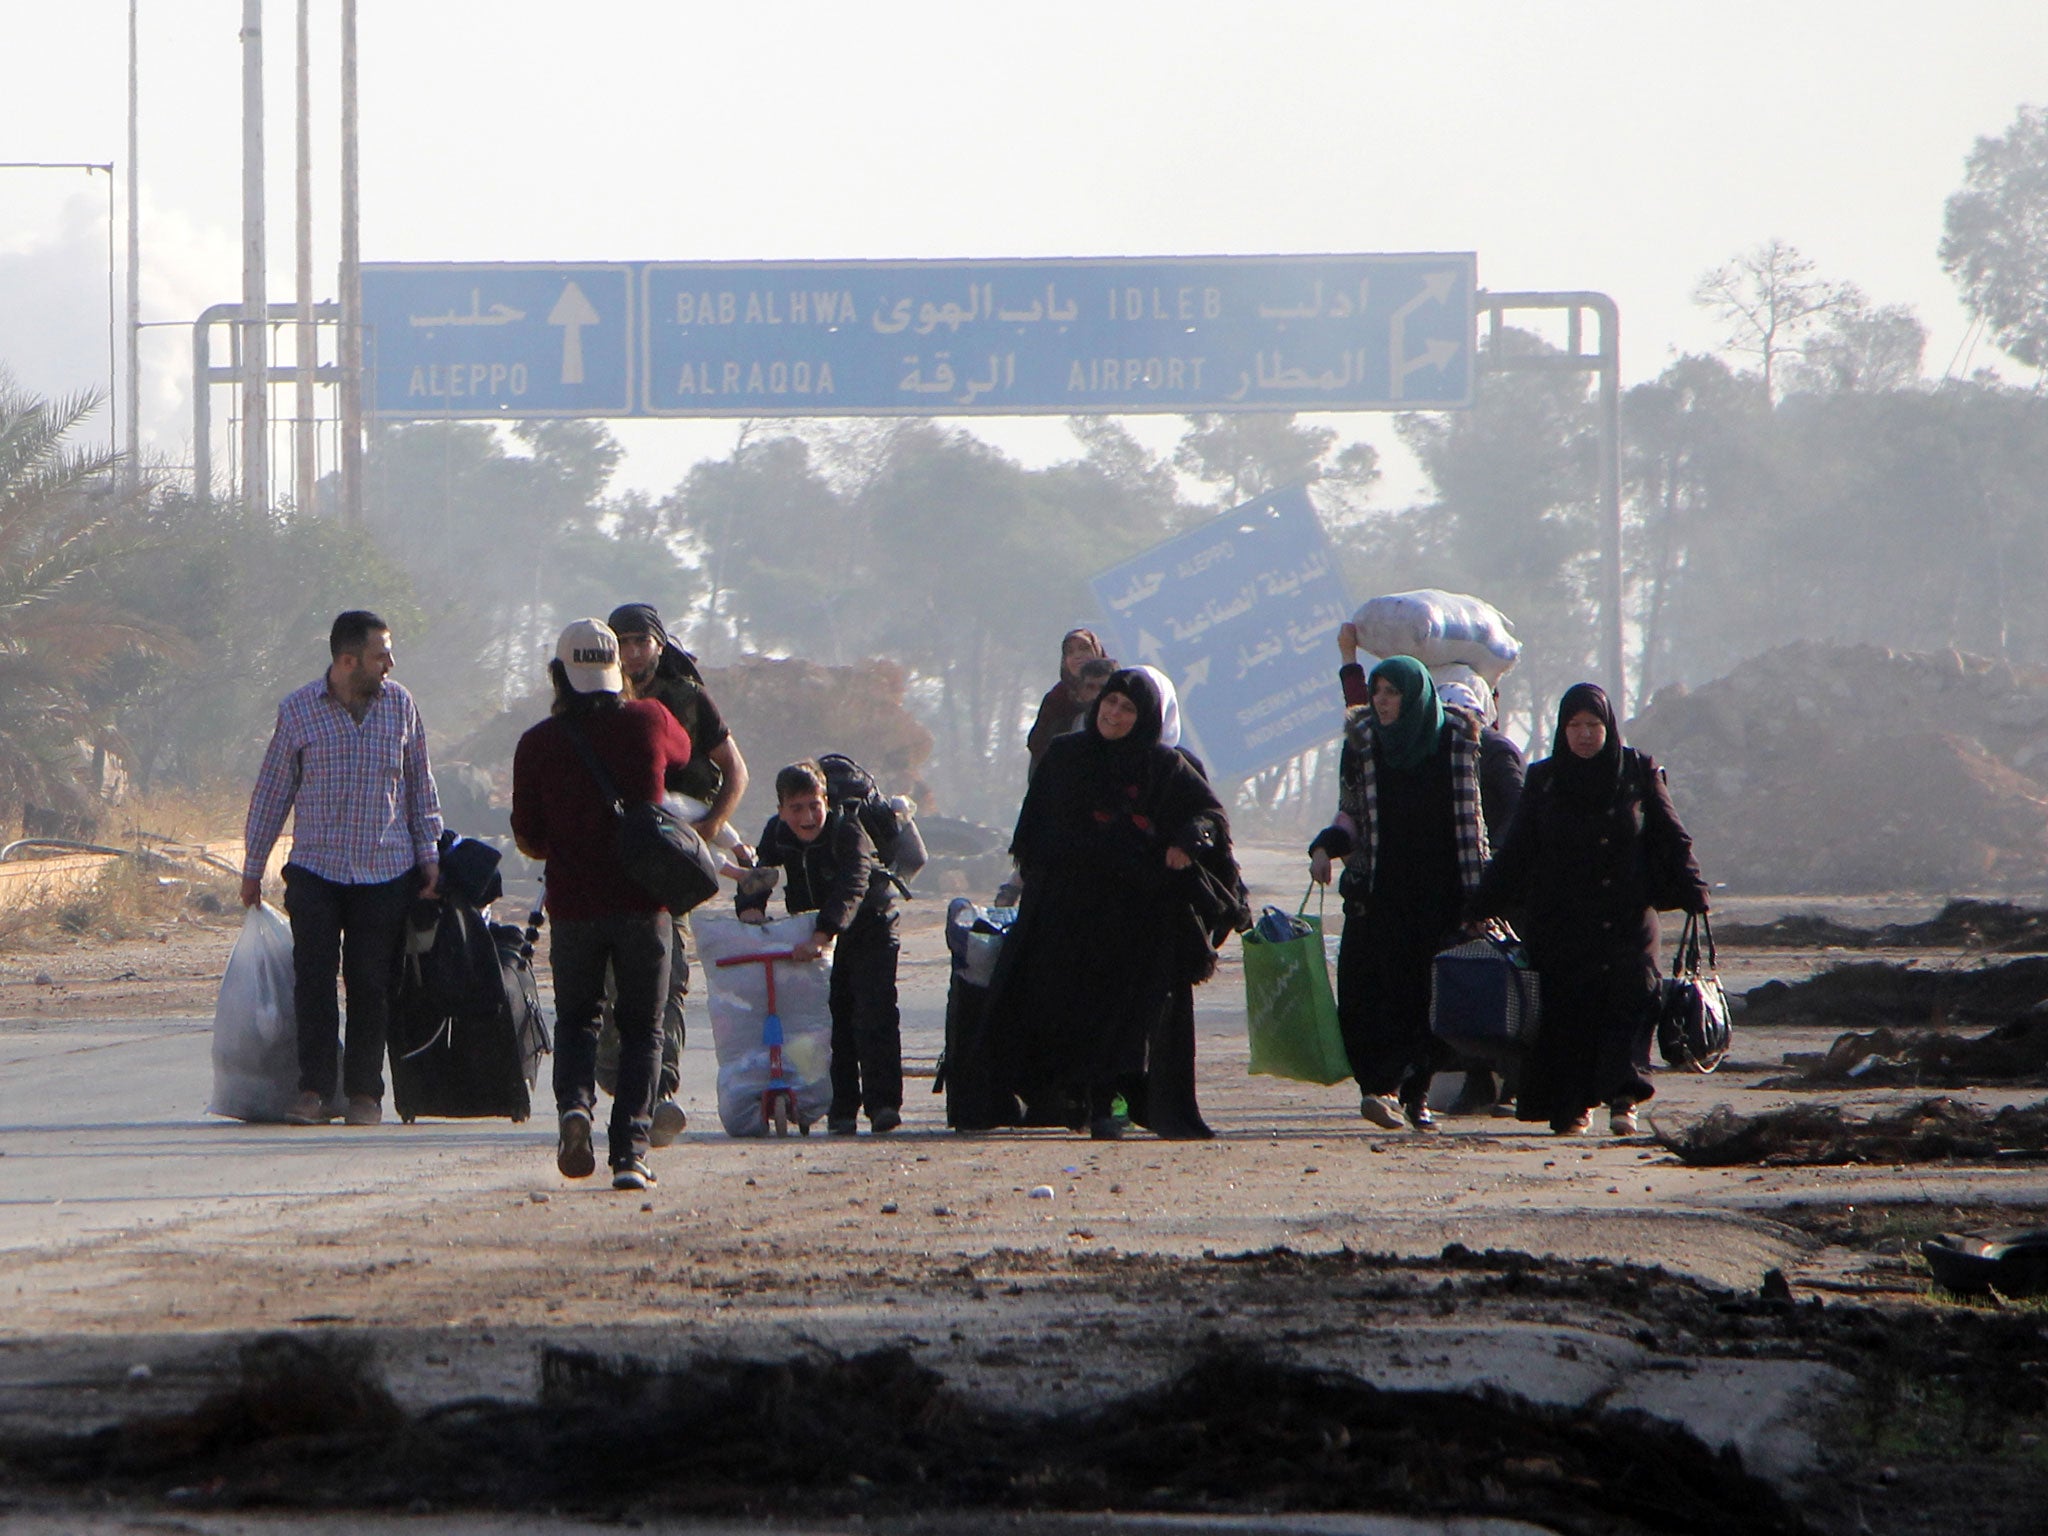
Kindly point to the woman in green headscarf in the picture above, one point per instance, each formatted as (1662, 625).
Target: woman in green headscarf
(1409, 833)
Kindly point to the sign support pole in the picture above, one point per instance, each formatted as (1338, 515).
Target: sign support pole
(351, 355)
(1606, 362)
(255, 352)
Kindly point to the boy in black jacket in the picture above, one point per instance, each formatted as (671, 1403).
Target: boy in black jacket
(830, 867)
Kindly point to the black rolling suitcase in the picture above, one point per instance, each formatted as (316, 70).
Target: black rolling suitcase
(974, 937)
(467, 1031)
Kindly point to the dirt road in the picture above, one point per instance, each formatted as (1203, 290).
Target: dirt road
(1030, 1270)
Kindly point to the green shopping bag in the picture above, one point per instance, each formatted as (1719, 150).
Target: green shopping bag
(1290, 1010)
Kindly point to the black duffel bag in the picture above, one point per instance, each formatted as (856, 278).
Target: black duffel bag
(660, 852)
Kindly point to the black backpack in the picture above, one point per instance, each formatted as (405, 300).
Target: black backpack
(451, 967)
(850, 787)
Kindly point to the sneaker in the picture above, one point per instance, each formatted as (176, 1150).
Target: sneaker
(1384, 1111)
(841, 1125)
(1577, 1127)
(363, 1110)
(1419, 1116)
(308, 1109)
(572, 1154)
(1503, 1109)
(883, 1121)
(669, 1123)
(1621, 1120)
(634, 1174)
(1105, 1128)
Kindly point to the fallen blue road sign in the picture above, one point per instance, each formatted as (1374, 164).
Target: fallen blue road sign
(498, 339)
(1242, 613)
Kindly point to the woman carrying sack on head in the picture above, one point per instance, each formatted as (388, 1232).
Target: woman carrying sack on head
(1119, 841)
(1409, 832)
(1592, 854)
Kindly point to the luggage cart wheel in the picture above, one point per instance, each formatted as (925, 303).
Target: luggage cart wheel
(408, 1119)
(779, 1116)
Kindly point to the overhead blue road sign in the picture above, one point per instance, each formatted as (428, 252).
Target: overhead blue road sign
(921, 338)
(1242, 613)
(498, 339)
(1066, 337)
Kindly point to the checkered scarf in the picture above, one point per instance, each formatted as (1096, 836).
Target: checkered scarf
(1358, 794)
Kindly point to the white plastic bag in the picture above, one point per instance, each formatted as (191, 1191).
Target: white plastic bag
(1439, 629)
(739, 1011)
(255, 1030)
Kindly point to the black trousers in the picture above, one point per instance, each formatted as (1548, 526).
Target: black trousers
(867, 1041)
(634, 947)
(355, 931)
(671, 1023)
(1383, 975)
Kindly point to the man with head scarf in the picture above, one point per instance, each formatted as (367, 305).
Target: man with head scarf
(657, 668)
(1593, 853)
(1409, 832)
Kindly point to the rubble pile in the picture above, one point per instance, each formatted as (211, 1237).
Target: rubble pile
(1832, 768)
(2014, 1053)
(1825, 1135)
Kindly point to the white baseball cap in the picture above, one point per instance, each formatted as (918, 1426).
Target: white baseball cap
(589, 654)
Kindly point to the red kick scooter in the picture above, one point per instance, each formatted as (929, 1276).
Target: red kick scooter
(778, 1099)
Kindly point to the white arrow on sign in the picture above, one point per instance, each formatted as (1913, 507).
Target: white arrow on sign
(1436, 288)
(1196, 675)
(1148, 647)
(572, 312)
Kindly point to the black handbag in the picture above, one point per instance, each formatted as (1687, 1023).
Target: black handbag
(660, 852)
(1693, 1031)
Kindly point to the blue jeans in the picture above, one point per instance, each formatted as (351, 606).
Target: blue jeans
(634, 946)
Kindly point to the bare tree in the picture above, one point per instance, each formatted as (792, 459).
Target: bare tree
(1770, 301)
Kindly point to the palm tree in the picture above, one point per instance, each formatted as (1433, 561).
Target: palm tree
(61, 514)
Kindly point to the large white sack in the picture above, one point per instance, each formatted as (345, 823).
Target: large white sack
(739, 1008)
(255, 1028)
(1439, 629)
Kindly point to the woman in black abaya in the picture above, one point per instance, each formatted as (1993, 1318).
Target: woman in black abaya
(1593, 852)
(1121, 844)
(1409, 831)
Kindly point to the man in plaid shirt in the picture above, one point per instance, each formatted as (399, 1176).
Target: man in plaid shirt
(350, 753)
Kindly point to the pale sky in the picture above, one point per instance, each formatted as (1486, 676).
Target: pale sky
(1625, 147)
